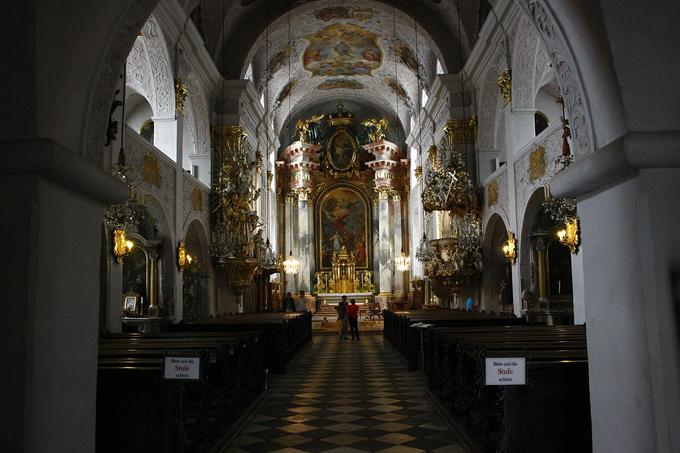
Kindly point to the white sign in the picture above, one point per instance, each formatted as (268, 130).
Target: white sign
(506, 371)
(185, 368)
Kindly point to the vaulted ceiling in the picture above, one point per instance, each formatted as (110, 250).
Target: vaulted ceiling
(306, 53)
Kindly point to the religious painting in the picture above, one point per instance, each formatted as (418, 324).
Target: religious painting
(151, 170)
(537, 164)
(342, 220)
(334, 84)
(341, 150)
(344, 12)
(342, 50)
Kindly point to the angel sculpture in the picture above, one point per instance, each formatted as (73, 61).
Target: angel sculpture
(307, 130)
(376, 128)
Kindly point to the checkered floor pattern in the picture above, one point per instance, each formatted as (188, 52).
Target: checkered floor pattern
(345, 396)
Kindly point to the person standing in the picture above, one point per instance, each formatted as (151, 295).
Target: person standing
(342, 317)
(301, 303)
(353, 318)
(288, 303)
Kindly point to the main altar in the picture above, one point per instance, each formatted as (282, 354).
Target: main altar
(341, 197)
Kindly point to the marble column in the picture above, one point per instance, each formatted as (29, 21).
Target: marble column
(289, 210)
(398, 244)
(305, 246)
(385, 246)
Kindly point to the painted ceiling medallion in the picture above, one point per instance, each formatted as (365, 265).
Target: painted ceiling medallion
(334, 84)
(342, 50)
(344, 12)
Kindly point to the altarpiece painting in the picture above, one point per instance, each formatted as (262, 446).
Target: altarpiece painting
(343, 221)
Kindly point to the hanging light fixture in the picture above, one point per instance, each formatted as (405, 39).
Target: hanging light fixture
(184, 260)
(402, 262)
(290, 266)
(128, 213)
(570, 234)
(122, 246)
(510, 248)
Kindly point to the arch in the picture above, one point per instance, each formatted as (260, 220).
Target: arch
(498, 269)
(523, 65)
(162, 231)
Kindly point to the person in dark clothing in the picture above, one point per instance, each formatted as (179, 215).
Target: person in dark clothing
(342, 317)
(353, 318)
(288, 303)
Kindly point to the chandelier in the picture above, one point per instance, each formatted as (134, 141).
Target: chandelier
(290, 266)
(425, 252)
(268, 258)
(124, 215)
(402, 262)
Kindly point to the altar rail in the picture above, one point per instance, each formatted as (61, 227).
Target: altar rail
(139, 411)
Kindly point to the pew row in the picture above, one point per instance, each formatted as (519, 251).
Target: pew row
(284, 334)
(140, 411)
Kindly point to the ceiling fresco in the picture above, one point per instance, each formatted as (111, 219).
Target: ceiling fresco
(308, 52)
(342, 50)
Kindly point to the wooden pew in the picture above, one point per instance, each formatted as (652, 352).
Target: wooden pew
(137, 410)
(550, 413)
(284, 334)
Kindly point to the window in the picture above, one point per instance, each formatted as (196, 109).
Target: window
(423, 98)
(146, 131)
(540, 122)
(249, 73)
(440, 69)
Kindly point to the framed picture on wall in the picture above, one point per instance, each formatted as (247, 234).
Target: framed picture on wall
(130, 305)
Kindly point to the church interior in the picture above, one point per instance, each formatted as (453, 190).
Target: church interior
(195, 187)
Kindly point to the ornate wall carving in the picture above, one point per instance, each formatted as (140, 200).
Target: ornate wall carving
(567, 73)
(523, 66)
(159, 60)
(113, 61)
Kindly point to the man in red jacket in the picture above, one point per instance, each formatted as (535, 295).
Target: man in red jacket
(353, 317)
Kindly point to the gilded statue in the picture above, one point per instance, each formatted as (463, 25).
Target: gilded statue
(377, 129)
(307, 130)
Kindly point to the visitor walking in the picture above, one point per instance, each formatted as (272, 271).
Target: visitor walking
(342, 317)
(353, 318)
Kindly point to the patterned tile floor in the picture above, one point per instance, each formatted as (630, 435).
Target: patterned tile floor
(347, 396)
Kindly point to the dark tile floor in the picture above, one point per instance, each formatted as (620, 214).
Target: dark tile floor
(345, 396)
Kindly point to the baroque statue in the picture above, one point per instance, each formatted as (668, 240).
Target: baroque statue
(308, 131)
(377, 129)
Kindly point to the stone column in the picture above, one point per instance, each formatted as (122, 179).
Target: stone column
(51, 287)
(290, 211)
(398, 244)
(306, 244)
(385, 247)
(302, 159)
(387, 176)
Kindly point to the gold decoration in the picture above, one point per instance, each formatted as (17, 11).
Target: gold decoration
(461, 131)
(510, 248)
(181, 92)
(196, 199)
(492, 193)
(570, 235)
(537, 164)
(302, 193)
(418, 172)
(183, 258)
(433, 158)
(121, 245)
(340, 117)
(270, 178)
(504, 83)
(377, 128)
(303, 127)
(151, 170)
(259, 159)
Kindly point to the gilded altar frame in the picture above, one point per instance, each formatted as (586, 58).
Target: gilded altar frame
(318, 230)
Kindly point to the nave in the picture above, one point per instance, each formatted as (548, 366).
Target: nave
(347, 396)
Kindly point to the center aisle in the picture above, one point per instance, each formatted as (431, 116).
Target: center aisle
(347, 396)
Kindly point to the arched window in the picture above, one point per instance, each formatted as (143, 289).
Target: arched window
(146, 131)
(440, 69)
(540, 122)
(423, 98)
